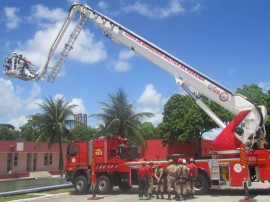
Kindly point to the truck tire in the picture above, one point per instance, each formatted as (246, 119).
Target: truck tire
(103, 185)
(81, 185)
(201, 185)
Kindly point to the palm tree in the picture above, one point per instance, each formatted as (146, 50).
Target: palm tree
(119, 117)
(53, 128)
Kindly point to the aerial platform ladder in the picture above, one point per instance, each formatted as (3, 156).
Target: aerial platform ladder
(67, 48)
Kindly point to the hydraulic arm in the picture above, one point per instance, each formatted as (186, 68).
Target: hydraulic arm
(252, 124)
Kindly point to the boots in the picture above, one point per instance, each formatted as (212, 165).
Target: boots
(169, 197)
(177, 197)
(157, 196)
(162, 196)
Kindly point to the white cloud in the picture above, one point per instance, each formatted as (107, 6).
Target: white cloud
(10, 103)
(18, 122)
(212, 134)
(122, 64)
(13, 108)
(153, 11)
(150, 97)
(12, 19)
(41, 14)
(102, 5)
(80, 106)
(152, 101)
(196, 8)
(86, 49)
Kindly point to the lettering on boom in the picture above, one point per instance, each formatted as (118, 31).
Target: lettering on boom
(165, 57)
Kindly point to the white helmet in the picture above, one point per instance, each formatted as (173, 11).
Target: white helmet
(184, 161)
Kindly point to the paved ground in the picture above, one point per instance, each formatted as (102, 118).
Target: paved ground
(132, 196)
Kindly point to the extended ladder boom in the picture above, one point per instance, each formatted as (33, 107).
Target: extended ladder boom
(252, 124)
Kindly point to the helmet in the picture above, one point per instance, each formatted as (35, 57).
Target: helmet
(170, 161)
(143, 162)
(151, 163)
(159, 164)
(179, 160)
(184, 161)
(191, 160)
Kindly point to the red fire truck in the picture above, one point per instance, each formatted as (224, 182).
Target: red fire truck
(109, 158)
(239, 156)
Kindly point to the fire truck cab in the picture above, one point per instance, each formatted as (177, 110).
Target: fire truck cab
(107, 158)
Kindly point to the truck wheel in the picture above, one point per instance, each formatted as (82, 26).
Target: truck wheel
(103, 185)
(81, 185)
(201, 185)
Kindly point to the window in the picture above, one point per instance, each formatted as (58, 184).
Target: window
(35, 162)
(73, 150)
(9, 162)
(15, 159)
(28, 162)
(48, 159)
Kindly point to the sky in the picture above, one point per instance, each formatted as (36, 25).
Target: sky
(226, 40)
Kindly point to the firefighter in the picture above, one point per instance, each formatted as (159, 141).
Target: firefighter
(160, 179)
(192, 176)
(150, 179)
(171, 172)
(143, 175)
(181, 184)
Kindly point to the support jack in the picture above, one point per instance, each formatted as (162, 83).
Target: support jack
(247, 195)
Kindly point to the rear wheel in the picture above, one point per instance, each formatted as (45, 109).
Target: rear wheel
(201, 185)
(103, 185)
(81, 185)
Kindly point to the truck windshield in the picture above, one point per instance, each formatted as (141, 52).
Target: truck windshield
(72, 150)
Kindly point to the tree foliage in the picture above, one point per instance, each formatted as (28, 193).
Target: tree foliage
(52, 126)
(31, 130)
(82, 133)
(148, 130)
(119, 117)
(254, 93)
(7, 132)
(184, 120)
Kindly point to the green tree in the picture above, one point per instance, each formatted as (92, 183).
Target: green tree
(119, 117)
(31, 130)
(8, 132)
(53, 123)
(184, 120)
(149, 131)
(82, 133)
(254, 93)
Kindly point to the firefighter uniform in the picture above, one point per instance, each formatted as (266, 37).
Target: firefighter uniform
(160, 179)
(143, 174)
(192, 176)
(181, 185)
(150, 179)
(171, 172)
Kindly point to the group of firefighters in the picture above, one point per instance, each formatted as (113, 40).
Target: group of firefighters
(180, 178)
(18, 64)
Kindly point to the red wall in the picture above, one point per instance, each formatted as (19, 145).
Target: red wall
(155, 150)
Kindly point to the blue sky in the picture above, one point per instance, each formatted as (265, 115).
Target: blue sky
(227, 40)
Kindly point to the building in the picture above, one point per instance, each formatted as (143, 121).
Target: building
(19, 159)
